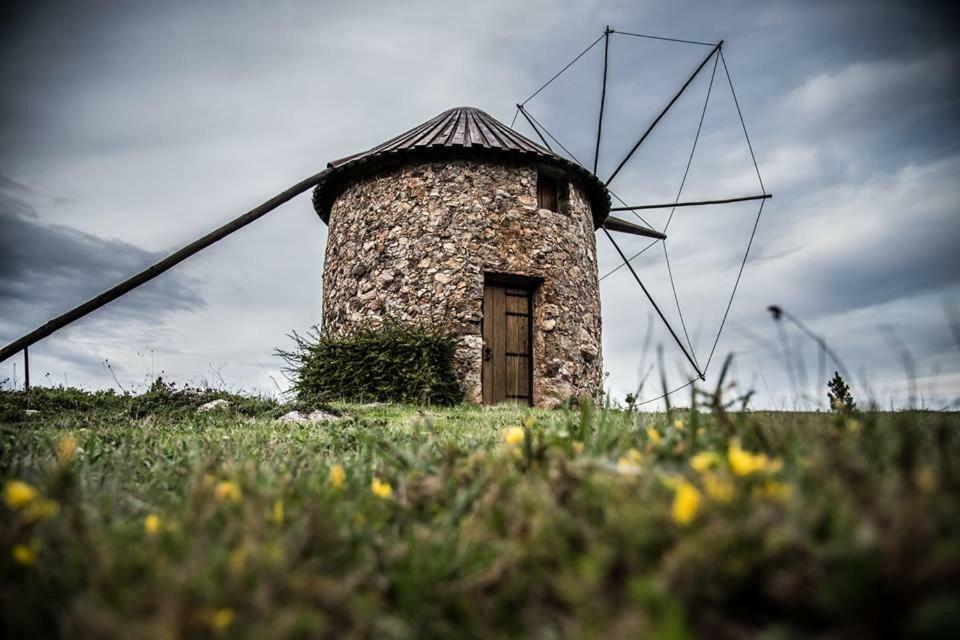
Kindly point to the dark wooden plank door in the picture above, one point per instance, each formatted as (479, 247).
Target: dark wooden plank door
(507, 353)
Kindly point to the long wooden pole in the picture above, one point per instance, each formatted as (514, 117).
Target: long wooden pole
(155, 270)
(670, 205)
(663, 113)
(603, 98)
(616, 224)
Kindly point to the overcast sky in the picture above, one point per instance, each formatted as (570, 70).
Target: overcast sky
(128, 129)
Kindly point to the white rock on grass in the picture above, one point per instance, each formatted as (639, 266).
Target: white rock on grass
(32, 412)
(321, 416)
(302, 418)
(214, 405)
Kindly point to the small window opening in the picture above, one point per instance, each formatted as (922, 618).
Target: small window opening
(548, 192)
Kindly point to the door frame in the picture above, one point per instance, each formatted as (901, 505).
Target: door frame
(531, 285)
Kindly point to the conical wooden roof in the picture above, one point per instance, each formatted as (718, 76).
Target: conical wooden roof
(456, 133)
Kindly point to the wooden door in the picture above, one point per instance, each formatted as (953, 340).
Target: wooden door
(507, 349)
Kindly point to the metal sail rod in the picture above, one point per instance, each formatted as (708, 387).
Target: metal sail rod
(155, 270)
(530, 122)
(670, 205)
(603, 97)
(655, 307)
(664, 112)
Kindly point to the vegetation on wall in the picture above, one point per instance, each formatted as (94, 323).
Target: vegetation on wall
(391, 363)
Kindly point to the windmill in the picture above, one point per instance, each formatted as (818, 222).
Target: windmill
(712, 62)
(500, 140)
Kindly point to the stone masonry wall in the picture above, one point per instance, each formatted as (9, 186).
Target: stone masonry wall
(414, 242)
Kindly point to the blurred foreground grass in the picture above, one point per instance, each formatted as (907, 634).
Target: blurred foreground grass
(146, 520)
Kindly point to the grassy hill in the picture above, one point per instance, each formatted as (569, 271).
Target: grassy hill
(140, 517)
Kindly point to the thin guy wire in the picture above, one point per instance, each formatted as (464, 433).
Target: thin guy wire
(623, 264)
(671, 392)
(515, 114)
(642, 219)
(756, 222)
(693, 149)
(737, 283)
(569, 64)
(676, 299)
(526, 117)
(661, 115)
(679, 192)
(643, 35)
(742, 123)
(560, 144)
(686, 171)
(656, 307)
(746, 253)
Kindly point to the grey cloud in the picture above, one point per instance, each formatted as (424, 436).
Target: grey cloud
(46, 269)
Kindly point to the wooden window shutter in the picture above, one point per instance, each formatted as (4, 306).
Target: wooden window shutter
(547, 192)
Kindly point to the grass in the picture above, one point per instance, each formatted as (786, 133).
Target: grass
(151, 520)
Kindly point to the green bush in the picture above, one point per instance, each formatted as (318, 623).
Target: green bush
(392, 363)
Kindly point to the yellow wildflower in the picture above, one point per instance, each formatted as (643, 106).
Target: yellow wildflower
(705, 460)
(776, 491)
(925, 479)
(66, 449)
(744, 463)
(337, 476)
(18, 494)
(678, 424)
(718, 487)
(221, 619)
(278, 513)
(653, 435)
(577, 447)
(853, 425)
(686, 503)
(227, 491)
(670, 481)
(631, 459)
(151, 524)
(381, 489)
(238, 560)
(529, 421)
(41, 510)
(514, 436)
(25, 555)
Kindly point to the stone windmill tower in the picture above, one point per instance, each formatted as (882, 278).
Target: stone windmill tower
(464, 223)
